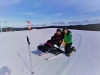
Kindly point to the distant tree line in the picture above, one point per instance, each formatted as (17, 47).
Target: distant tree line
(90, 27)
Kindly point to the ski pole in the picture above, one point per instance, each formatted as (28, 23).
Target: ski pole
(29, 53)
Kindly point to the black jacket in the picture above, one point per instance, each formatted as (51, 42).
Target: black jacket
(57, 38)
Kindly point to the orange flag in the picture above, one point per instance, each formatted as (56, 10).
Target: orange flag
(29, 25)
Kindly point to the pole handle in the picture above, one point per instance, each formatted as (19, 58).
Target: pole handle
(28, 40)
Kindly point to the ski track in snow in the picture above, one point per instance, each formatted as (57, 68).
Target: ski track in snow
(15, 60)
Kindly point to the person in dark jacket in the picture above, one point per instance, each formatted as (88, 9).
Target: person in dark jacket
(67, 41)
(55, 39)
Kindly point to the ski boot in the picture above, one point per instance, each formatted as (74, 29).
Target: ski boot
(68, 54)
(73, 49)
(52, 49)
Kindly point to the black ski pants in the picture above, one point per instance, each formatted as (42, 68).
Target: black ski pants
(68, 48)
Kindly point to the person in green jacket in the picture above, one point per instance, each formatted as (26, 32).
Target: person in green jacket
(67, 41)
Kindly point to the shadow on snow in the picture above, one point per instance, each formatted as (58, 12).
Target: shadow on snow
(5, 71)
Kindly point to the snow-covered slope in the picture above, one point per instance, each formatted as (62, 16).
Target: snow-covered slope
(15, 60)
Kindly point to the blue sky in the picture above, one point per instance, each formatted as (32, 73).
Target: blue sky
(15, 12)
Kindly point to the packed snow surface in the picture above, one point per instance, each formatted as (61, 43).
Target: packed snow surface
(15, 59)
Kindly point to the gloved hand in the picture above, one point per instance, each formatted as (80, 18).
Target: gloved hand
(63, 43)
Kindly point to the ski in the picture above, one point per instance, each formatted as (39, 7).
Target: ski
(52, 57)
(59, 52)
(42, 54)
